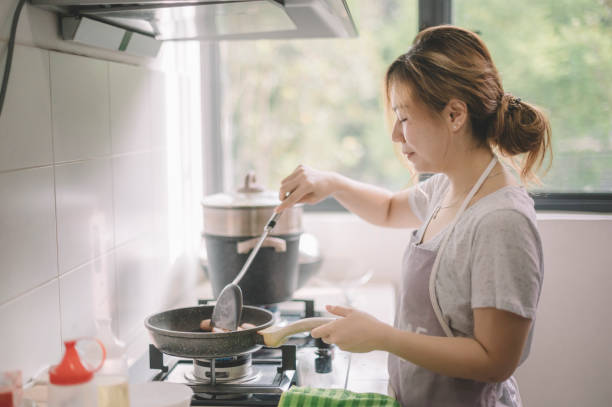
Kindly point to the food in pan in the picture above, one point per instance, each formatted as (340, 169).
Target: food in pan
(205, 326)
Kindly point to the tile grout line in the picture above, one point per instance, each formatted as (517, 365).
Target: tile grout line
(114, 304)
(80, 160)
(57, 254)
(33, 167)
(28, 291)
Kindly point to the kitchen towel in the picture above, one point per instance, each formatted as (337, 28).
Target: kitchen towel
(307, 396)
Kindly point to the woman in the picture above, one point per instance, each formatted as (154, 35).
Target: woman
(472, 272)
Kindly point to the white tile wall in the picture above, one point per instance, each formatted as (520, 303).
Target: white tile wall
(168, 276)
(84, 211)
(159, 101)
(31, 330)
(80, 105)
(28, 251)
(87, 294)
(25, 124)
(130, 108)
(84, 171)
(137, 285)
(159, 191)
(161, 241)
(133, 195)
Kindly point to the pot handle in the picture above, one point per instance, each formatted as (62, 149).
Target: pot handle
(279, 245)
(275, 336)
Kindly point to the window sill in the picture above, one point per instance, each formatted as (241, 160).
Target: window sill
(595, 204)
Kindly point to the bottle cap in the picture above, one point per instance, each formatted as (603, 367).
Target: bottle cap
(71, 370)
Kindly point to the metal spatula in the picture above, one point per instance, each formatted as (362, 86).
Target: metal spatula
(228, 308)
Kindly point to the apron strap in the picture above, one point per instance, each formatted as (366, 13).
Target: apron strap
(434, 271)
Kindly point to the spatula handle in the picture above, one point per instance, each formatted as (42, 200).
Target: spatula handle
(275, 336)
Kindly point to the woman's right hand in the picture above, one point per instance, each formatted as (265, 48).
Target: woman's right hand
(305, 185)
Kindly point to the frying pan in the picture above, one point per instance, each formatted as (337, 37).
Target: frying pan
(177, 332)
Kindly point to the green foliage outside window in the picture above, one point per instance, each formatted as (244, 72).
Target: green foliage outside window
(558, 55)
(320, 102)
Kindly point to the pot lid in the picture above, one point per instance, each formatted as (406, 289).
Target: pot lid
(249, 195)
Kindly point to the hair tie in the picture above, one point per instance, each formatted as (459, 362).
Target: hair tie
(514, 103)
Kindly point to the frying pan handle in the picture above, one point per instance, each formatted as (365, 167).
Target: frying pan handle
(275, 336)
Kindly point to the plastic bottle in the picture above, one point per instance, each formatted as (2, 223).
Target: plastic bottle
(71, 383)
(10, 389)
(112, 379)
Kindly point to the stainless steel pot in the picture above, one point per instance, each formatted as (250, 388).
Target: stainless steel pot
(232, 225)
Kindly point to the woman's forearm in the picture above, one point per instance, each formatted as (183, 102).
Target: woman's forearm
(369, 202)
(456, 357)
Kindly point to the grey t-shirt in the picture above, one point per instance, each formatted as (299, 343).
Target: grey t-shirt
(492, 259)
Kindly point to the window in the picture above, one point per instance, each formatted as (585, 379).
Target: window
(317, 102)
(558, 55)
(320, 102)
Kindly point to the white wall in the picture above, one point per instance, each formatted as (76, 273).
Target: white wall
(99, 190)
(570, 361)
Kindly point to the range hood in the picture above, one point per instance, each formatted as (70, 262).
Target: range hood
(213, 19)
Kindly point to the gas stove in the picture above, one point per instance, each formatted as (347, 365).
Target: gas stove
(258, 378)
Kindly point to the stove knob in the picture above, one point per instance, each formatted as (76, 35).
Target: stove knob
(323, 361)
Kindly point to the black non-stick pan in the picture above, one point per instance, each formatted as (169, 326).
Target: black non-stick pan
(177, 332)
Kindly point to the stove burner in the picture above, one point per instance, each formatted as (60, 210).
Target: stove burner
(231, 369)
(228, 361)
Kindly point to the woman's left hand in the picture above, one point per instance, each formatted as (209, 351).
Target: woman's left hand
(356, 332)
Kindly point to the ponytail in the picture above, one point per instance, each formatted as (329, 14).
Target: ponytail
(520, 129)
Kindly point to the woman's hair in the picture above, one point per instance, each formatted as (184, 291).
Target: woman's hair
(447, 62)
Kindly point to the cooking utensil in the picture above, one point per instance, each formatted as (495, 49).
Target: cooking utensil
(228, 308)
(233, 222)
(177, 332)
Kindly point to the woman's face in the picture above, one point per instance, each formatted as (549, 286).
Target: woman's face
(423, 135)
